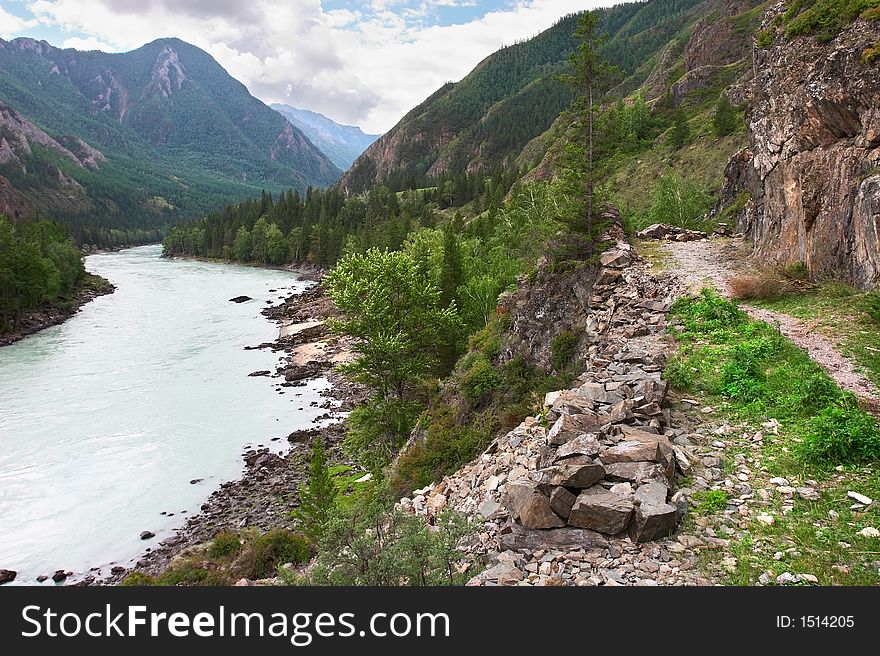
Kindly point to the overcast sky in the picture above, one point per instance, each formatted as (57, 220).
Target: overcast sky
(362, 63)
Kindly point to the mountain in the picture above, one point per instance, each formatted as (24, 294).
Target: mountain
(172, 135)
(512, 97)
(343, 144)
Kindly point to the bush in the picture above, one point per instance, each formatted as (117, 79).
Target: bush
(798, 271)
(758, 288)
(841, 434)
(708, 312)
(262, 554)
(479, 382)
(376, 546)
(137, 579)
(563, 350)
(224, 544)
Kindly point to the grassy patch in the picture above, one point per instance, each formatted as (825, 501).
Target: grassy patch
(842, 314)
(710, 502)
(756, 379)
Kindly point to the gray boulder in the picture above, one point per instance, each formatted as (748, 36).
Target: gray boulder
(602, 510)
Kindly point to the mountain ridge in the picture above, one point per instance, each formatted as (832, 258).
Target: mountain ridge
(179, 134)
(343, 144)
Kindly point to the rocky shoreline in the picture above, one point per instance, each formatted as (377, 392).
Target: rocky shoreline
(52, 314)
(268, 490)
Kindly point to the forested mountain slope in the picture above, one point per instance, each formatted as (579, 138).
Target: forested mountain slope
(177, 133)
(512, 97)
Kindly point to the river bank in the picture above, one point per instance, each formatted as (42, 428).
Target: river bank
(52, 314)
(267, 493)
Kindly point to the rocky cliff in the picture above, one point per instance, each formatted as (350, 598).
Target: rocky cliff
(812, 169)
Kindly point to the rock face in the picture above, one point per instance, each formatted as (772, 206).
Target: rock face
(811, 169)
(7, 576)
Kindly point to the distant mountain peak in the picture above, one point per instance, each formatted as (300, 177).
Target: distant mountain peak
(341, 143)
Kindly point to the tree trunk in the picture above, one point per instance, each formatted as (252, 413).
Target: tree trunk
(590, 165)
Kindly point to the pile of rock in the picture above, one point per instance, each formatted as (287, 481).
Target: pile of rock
(671, 233)
(580, 490)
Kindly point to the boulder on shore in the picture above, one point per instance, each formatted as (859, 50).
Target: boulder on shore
(7, 576)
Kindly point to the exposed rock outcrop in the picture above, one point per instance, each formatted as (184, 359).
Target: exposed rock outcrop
(812, 169)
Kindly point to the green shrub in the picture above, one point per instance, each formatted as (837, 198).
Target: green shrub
(765, 38)
(262, 554)
(450, 441)
(185, 573)
(708, 312)
(378, 428)
(841, 434)
(224, 544)
(563, 350)
(405, 552)
(479, 382)
(137, 579)
(826, 18)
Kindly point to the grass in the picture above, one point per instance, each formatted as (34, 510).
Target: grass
(815, 537)
(348, 491)
(841, 314)
(820, 439)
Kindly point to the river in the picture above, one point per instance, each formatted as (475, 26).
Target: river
(107, 418)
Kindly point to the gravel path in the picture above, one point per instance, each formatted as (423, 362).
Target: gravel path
(699, 263)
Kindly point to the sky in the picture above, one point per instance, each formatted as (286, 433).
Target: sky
(360, 63)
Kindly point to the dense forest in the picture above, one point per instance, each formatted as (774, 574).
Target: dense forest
(38, 264)
(318, 226)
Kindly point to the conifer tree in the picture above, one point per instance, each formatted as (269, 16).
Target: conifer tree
(317, 499)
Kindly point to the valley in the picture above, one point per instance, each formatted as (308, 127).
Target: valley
(603, 312)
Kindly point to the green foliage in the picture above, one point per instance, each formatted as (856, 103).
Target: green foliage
(393, 311)
(263, 553)
(765, 38)
(841, 433)
(447, 443)
(680, 134)
(710, 502)
(225, 544)
(563, 350)
(378, 428)
(870, 54)
(479, 381)
(375, 546)
(725, 121)
(797, 271)
(316, 500)
(825, 18)
(679, 202)
(38, 264)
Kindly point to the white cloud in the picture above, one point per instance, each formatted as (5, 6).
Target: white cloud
(367, 67)
(90, 43)
(11, 25)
